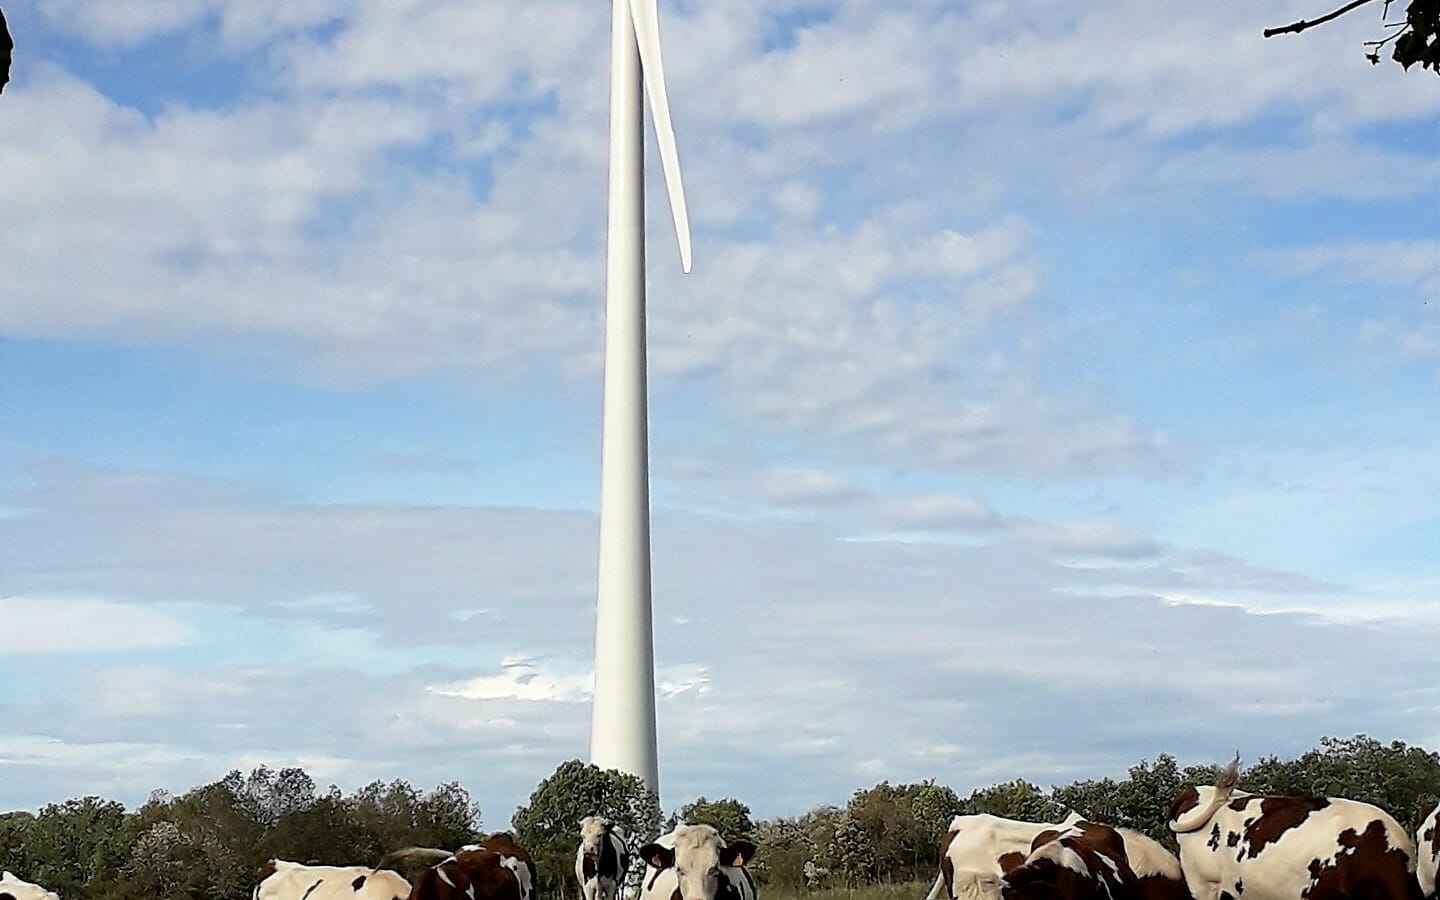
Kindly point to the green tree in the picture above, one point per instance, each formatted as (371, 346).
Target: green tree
(1399, 779)
(549, 825)
(74, 847)
(728, 816)
(1018, 799)
(15, 841)
(933, 806)
(784, 846)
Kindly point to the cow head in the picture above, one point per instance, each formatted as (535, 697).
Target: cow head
(593, 830)
(698, 854)
(1054, 871)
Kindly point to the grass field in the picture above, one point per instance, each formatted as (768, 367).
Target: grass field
(906, 890)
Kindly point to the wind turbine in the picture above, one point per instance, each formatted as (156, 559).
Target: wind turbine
(622, 727)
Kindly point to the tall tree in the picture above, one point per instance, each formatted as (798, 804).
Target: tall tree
(549, 825)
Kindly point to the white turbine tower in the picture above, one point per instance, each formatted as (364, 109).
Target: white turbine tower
(622, 730)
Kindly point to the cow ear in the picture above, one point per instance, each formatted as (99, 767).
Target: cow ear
(737, 853)
(658, 856)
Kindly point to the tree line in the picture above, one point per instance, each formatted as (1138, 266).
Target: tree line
(210, 841)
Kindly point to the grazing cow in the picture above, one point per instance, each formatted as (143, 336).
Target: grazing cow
(1089, 861)
(694, 863)
(1237, 845)
(978, 850)
(283, 880)
(12, 888)
(602, 859)
(1427, 848)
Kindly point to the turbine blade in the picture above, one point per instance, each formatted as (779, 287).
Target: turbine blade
(645, 15)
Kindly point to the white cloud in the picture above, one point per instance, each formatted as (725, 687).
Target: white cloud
(67, 625)
(521, 679)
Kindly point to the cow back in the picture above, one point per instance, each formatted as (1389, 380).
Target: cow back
(1299, 848)
(1084, 862)
(477, 874)
(283, 880)
(15, 888)
(978, 850)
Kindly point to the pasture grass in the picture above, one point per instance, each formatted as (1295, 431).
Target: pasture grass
(901, 890)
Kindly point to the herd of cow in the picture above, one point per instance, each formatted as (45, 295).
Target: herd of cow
(1233, 846)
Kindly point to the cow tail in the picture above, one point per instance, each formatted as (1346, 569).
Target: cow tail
(1224, 787)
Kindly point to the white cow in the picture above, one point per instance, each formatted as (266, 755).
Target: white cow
(1289, 848)
(284, 880)
(12, 888)
(693, 862)
(602, 859)
(1427, 845)
(978, 850)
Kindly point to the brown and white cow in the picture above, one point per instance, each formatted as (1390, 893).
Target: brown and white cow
(694, 862)
(473, 873)
(977, 850)
(1090, 861)
(1427, 848)
(284, 880)
(12, 888)
(497, 868)
(1237, 845)
(602, 859)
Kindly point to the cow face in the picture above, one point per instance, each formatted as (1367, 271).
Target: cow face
(697, 858)
(593, 830)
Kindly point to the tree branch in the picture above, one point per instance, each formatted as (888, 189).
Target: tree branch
(1297, 27)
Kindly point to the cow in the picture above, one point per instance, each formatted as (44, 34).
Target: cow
(497, 868)
(474, 873)
(12, 888)
(1234, 845)
(978, 849)
(1427, 847)
(1090, 861)
(283, 880)
(602, 859)
(694, 862)
(514, 857)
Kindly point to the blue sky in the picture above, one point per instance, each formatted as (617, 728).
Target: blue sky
(1055, 387)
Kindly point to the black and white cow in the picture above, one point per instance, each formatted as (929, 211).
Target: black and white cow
(602, 859)
(1427, 847)
(694, 862)
(1240, 846)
